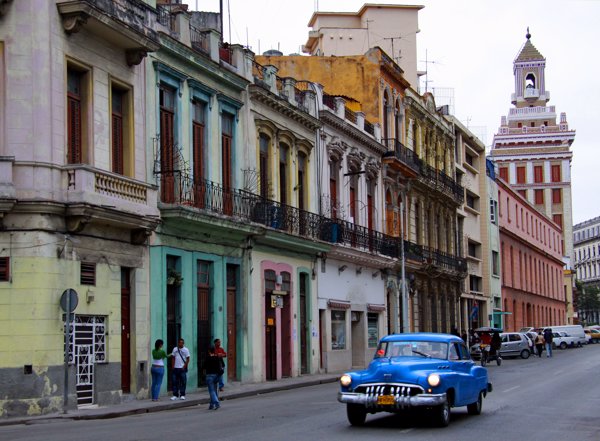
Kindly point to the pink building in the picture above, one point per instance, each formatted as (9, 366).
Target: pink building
(531, 260)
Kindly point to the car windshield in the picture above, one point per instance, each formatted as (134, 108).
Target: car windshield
(425, 349)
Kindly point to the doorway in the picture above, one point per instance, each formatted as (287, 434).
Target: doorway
(203, 315)
(270, 327)
(303, 324)
(125, 331)
(232, 277)
(358, 340)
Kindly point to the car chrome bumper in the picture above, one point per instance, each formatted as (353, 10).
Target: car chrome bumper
(401, 401)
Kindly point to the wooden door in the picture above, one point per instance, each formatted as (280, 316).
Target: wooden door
(231, 334)
(125, 331)
(167, 147)
(203, 330)
(303, 325)
(286, 337)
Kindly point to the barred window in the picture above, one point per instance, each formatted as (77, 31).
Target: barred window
(87, 273)
(4, 269)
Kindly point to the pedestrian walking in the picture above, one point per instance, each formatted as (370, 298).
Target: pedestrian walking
(464, 337)
(548, 339)
(181, 359)
(454, 331)
(539, 343)
(214, 371)
(158, 368)
(220, 352)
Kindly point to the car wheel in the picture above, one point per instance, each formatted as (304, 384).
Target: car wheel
(357, 414)
(475, 408)
(525, 354)
(563, 345)
(443, 414)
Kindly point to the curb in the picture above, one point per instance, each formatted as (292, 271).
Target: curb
(162, 407)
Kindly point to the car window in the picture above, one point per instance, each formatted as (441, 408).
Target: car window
(514, 337)
(464, 352)
(454, 353)
(504, 338)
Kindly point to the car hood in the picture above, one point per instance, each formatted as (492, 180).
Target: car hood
(398, 370)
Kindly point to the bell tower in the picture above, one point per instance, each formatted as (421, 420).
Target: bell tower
(530, 80)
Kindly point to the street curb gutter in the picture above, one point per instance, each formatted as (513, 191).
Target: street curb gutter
(163, 407)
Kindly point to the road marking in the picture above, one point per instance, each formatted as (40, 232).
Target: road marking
(559, 372)
(512, 388)
(406, 430)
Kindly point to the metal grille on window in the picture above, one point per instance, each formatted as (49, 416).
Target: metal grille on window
(88, 273)
(4, 269)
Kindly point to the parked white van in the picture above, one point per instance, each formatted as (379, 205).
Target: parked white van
(572, 331)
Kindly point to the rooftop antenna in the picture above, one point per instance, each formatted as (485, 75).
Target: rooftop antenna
(368, 35)
(229, 18)
(427, 63)
(394, 38)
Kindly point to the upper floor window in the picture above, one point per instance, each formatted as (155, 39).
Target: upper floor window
(521, 175)
(539, 196)
(283, 173)
(302, 184)
(263, 164)
(556, 175)
(198, 138)
(333, 188)
(122, 133)
(353, 195)
(504, 173)
(4, 269)
(538, 173)
(167, 143)
(77, 112)
(227, 122)
(556, 196)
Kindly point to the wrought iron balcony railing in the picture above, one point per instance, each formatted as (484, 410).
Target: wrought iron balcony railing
(440, 180)
(179, 188)
(403, 154)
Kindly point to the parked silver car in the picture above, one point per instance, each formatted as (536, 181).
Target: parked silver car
(514, 344)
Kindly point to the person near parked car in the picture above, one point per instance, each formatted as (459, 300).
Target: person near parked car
(496, 344)
(539, 344)
(548, 336)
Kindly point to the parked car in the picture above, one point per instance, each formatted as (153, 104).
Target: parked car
(513, 344)
(572, 330)
(563, 340)
(423, 370)
(592, 335)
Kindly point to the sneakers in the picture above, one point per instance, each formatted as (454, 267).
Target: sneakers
(182, 397)
(173, 398)
(214, 406)
(220, 389)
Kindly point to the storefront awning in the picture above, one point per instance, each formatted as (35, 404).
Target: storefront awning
(372, 307)
(339, 304)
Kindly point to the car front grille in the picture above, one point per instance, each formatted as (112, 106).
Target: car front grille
(400, 391)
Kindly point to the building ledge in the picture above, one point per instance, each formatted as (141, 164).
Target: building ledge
(126, 24)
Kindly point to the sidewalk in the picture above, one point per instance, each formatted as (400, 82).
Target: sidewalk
(134, 407)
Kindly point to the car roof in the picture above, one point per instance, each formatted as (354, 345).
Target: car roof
(422, 336)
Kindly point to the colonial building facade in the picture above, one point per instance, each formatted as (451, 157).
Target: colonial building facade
(586, 239)
(77, 205)
(532, 268)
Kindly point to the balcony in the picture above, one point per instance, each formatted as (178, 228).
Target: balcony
(125, 24)
(108, 198)
(179, 189)
(440, 181)
(401, 158)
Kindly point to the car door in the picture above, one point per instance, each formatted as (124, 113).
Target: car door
(514, 341)
(505, 347)
(467, 387)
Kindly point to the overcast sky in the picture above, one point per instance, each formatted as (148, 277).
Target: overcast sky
(473, 44)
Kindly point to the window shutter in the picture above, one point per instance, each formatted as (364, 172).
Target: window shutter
(87, 273)
(198, 133)
(74, 130)
(117, 132)
(4, 269)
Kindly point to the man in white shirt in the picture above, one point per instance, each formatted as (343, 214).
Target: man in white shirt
(180, 359)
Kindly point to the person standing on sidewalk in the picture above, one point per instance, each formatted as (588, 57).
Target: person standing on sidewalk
(181, 359)
(539, 344)
(220, 352)
(158, 368)
(214, 372)
(548, 339)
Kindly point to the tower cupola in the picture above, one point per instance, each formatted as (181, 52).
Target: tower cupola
(530, 80)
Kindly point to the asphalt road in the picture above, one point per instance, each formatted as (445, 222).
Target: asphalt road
(539, 399)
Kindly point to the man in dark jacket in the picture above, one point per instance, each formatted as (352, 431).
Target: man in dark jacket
(548, 338)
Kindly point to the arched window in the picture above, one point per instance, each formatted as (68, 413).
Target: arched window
(530, 81)
(386, 116)
(389, 214)
(263, 164)
(283, 173)
(302, 184)
(333, 188)
(398, 121)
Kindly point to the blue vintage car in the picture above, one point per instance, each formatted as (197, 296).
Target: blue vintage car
(431, 371)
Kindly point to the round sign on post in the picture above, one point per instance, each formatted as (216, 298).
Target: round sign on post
(69, 299)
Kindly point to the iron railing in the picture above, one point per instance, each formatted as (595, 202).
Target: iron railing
(440, 180)
(403, 154)
(200, 40)
(179, 188)
(350, 115)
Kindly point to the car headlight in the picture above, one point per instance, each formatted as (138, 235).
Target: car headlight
(346, 380)
(434, 380)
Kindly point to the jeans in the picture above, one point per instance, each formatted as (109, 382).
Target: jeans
(548, 349)
(212, 381)
(221, 383)
(179, 382)
(157, 376)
